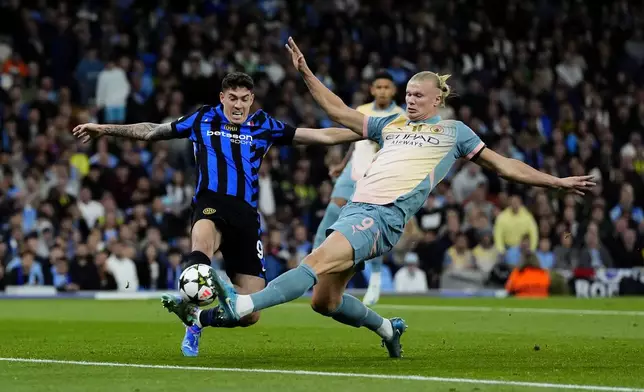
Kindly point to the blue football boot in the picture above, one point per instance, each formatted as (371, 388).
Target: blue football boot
(190, 343)
(227, 299)
(393, 345)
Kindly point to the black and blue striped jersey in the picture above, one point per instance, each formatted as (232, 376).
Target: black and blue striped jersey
(227, 155)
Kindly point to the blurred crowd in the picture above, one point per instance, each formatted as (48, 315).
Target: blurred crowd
(556, 84)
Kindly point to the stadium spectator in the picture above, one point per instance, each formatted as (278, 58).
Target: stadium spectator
(87, 73)
(150, 272)
(26, 271)
(61, 278)
(566, 256)
(478, 199)
(515, 254)
(528, 279)
(467, 181)
(276, 254)
(458, 257)
(544, 253)
(626, 206)
(122, 267)
(106, 280)
(173, 268)
(629, 255)
(485, 253)
(594, 254)
(410, 278)
(83, 271)
(112, 90)
(512, 224)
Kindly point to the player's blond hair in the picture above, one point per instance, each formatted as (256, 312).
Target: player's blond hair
(439, 80)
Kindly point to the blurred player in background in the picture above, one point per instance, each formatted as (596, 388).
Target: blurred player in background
(354, 167)
(418, 149)
(229, 146)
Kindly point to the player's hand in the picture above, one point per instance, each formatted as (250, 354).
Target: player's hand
(578, 185)
(87, 132)
(336, 170)
(296, 55)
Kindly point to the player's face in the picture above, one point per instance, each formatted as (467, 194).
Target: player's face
(383, 91)
(237, 103)
(422, 99)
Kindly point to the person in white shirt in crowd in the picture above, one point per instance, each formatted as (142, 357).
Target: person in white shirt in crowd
(112, 90)
(123, 268)
(466, 181)
(90, 209)
(569, 71)
(410, 278)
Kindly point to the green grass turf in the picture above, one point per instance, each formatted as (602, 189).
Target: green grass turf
(593, 349)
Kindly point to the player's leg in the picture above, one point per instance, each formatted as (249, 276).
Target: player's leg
(329, 299)
(243, 253)
(244, 284)
(206, 239)
(355, 235)
(373, 291)
(249, 284)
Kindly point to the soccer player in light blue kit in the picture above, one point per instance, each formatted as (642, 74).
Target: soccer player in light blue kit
(417, 151)
(356, 163)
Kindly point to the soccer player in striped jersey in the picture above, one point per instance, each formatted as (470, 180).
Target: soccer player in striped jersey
(229, 145)
(355, 164)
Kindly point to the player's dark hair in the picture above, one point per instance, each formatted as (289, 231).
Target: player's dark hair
(382, 74)
(236, 80)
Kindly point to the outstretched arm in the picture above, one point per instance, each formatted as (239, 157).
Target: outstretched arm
(328, 136)
(139, 131)
(517, 171)
(331, 103)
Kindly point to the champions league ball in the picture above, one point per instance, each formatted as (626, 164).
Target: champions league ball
(196, 285)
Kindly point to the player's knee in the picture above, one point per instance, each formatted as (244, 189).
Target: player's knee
(325, 305)
(249, 320)
(324, 261)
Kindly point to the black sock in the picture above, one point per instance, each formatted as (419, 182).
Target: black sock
(211, 318)
(196, 257)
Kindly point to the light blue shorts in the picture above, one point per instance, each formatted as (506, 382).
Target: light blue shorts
(372, 229)
(344, 185)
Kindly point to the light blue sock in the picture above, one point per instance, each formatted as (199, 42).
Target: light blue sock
(286, 287)
(331, 215)
(376, 264)
(354, 313)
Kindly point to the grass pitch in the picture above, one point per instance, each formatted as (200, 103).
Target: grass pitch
(451, 345)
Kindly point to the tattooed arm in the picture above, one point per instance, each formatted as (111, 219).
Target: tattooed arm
(139, 131)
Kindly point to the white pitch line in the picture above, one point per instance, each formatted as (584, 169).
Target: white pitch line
(446, 308)
(332, 374)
